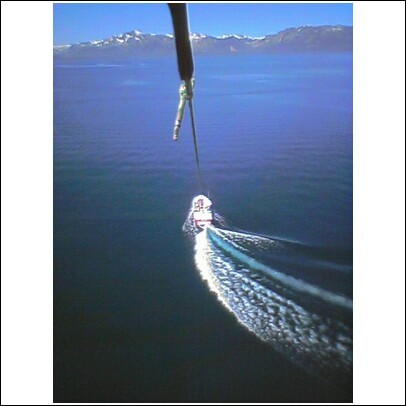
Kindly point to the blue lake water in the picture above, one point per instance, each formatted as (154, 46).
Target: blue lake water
(133, 320)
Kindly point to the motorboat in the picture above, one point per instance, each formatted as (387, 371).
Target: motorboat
(202, 211)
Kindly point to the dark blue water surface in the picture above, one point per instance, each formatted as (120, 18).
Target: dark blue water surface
(133, 320)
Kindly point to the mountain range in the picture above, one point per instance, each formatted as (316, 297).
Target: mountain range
(326, 38)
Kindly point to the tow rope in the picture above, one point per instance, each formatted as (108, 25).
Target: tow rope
(186, 69)
(189, 86)
(186, 94)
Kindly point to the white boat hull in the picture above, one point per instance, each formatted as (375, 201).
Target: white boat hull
(202, 212)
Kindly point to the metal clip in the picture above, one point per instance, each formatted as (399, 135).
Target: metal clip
(184, 96)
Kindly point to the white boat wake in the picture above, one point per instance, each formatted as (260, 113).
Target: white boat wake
(310, 325)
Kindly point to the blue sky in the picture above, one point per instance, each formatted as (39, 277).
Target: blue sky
(86, 21)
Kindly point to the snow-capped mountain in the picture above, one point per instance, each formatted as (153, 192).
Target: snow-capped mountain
(137, 44)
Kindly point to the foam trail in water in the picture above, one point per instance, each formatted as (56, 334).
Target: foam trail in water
(299, 285)
(272, 304)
